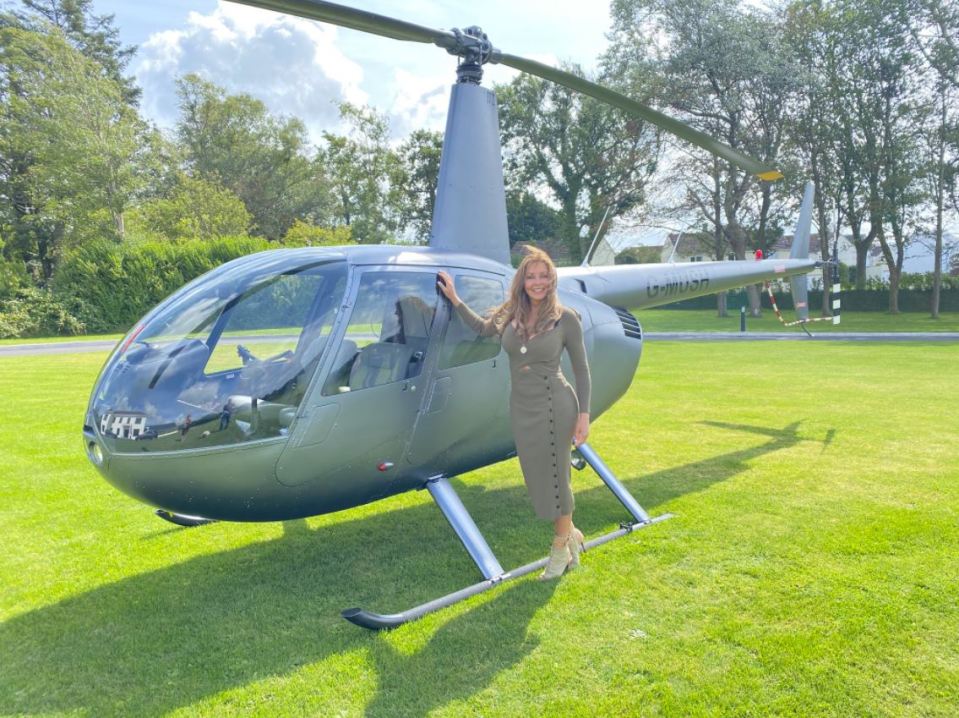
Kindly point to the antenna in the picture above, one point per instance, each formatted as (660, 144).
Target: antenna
(675, 247)
(589, 252)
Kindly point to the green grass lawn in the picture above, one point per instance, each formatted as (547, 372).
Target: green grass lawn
(811, 568)
(705, 320)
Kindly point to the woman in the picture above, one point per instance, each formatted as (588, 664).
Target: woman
(547, 415)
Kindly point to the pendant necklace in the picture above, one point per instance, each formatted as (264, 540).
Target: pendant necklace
(522, 349)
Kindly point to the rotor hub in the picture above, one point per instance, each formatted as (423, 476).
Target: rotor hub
(473, 49)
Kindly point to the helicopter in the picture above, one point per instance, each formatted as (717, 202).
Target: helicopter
(297, 382)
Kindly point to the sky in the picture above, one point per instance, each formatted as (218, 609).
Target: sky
(305, 68)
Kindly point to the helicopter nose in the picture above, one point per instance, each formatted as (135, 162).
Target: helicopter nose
(230, 483)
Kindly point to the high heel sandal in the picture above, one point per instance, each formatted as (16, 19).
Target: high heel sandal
(576, 546)
(559, 560)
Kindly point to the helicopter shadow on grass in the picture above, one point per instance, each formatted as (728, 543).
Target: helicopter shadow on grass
(170, 638)
(656, 489)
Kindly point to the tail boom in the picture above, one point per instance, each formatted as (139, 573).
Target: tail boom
(639, 286)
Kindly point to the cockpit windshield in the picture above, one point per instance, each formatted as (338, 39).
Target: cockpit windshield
(226, 360)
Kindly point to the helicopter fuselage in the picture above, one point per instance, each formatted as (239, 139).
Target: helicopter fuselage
(293, 383)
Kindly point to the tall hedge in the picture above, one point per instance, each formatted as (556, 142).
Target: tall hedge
(109, 286)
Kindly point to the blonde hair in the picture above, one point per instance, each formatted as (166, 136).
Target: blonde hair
(518, 308)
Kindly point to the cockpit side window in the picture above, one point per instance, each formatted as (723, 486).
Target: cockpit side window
(461, 344)
(388, 332)
(266, 321)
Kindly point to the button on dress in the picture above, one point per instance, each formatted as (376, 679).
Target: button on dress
(543, 406)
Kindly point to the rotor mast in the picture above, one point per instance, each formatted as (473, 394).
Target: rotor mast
(470, 210)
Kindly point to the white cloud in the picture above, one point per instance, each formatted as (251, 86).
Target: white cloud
(420, 102)
(291, 64)
(304, 68)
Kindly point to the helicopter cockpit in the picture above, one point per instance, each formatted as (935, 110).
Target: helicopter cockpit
(225, 361)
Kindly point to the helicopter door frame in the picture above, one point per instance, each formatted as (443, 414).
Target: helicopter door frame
(371, 425)
(457, 391)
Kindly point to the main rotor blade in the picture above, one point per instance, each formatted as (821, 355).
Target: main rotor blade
(400, 30)
(356, 20)
(604, 94)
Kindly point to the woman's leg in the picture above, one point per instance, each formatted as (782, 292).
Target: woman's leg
(559, 555)
(561, 528)
(572, 537)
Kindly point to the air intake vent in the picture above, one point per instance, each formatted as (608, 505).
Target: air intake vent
(630, 326)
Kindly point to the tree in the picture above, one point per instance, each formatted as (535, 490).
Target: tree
(68, 148)
(362, 170)
(879, 82)
(725, 71)
(640, 255)
(304, 234)
(195, 209)
(233, 141)
(93, 35)
(530, 220)
(934, 28)
(589, 157)
(812, 128)
(416, 180)
(704, 194)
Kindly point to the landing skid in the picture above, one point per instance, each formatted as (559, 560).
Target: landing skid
(183, 519)
(469, 534)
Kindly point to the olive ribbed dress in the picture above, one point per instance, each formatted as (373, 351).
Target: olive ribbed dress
(543, 406)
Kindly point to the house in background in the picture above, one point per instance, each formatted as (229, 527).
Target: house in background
(846, 251)
(920, 256)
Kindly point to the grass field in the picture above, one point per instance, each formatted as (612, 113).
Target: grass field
(810, 570)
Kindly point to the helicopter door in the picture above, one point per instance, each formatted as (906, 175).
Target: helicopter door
(362, 418)
(466, 413)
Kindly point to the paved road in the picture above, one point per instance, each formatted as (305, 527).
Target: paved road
(76, 347)
(56, 348)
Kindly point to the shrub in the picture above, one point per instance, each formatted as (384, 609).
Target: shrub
(33, 312)
(195, 209)
(110, 286)
(304, 234)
